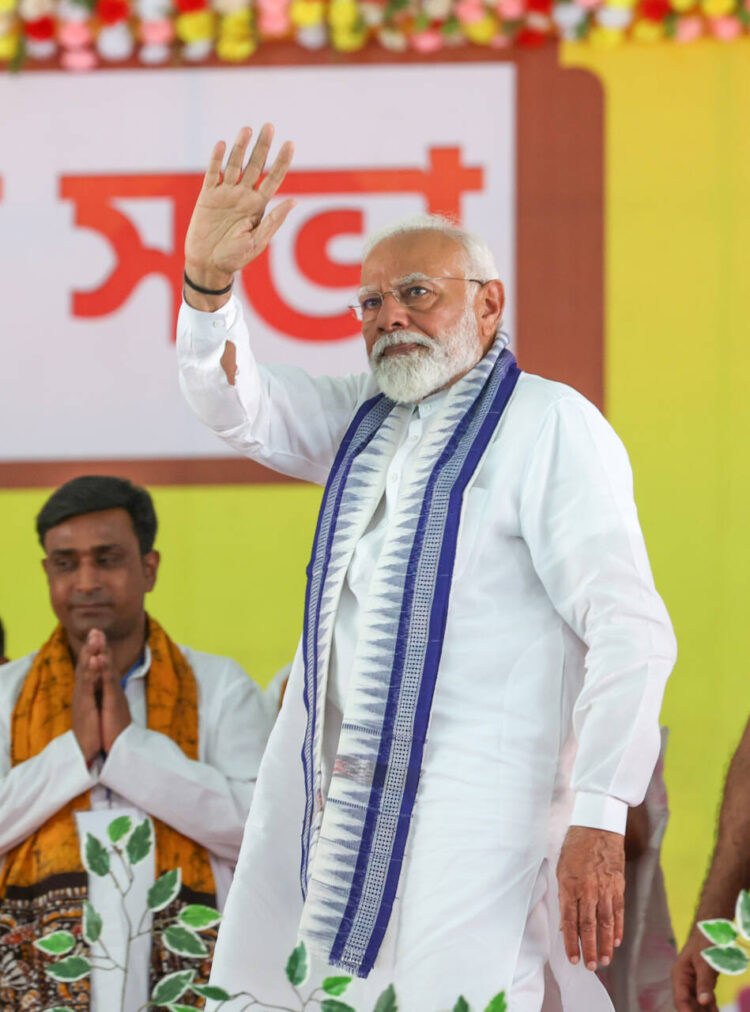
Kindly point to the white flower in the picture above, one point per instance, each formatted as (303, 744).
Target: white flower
(614, 17)
(372, 13)
(40, 49)
(568, 15)
(393, 39)
(437, 10)
(115, 42)
(31, 10)
(538, 22)
(312, 36)
(153, 55)
(198, 51)
(69, 11)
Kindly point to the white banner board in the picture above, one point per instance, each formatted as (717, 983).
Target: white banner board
(99, 175)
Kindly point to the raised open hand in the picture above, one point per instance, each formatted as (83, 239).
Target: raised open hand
(229, 226)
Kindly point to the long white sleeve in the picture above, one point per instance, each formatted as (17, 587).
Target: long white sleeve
(277, 415)
(34, 790)
(207, 800)
(580, 522)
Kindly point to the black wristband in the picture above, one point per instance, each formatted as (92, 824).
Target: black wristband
(207, 291)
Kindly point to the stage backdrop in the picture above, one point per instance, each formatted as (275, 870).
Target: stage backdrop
(677, 228)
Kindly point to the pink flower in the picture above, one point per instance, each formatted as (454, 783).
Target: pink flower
(274, 22)
(688, 29)
(74, 35)
(726, 28)
(428, 41)
(588, 5)
(277, 6)
(469, 11)
(513, 10)
(156, 33)
(500, 41)
(78, 59)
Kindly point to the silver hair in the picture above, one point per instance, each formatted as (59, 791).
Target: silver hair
(480, 260)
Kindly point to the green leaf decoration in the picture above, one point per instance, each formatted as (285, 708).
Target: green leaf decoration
(461, 1005)
(211, 991)
(139, 844)
(167, 990)
(387, 1001)
(56, 944)
(119, 828)
(91, 924)
(726, 959)
(62, 1008)
(198, 917)
(336, 985)
(296, 966)
(184, 942)
(720, 932)
(742, 914)
(334, 1005)
(95, 857)
(72, 968)
(164, 890)
(498, 1003)
(181, 1008)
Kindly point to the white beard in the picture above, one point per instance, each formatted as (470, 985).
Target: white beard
(410, 377)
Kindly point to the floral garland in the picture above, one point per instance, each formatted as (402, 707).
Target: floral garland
(83, 34)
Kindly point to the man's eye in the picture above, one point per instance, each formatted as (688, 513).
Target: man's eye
(64, 565)
(370, 302)
(108, 560)
(415, 292)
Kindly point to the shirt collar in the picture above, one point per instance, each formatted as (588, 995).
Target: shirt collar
(140, 668)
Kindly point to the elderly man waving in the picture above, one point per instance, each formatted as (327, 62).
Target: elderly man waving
(479, 598)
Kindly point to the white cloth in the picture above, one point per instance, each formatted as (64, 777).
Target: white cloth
(145, 773)
(554, 626)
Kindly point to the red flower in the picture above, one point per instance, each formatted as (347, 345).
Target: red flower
(540, 6)
(655, 10)
(185, 6)
(41, 29)
(112, 11)
(529, 38)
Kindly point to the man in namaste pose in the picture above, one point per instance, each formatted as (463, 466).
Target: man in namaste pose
(479, 600)
(111, 718)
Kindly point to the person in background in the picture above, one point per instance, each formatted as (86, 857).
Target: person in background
(110, 717)
(693, 979)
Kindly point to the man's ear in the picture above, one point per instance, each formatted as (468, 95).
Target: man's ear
(151, 562)
(491, 305)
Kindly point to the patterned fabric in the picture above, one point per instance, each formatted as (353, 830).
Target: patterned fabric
(43, 882)
(353, 847)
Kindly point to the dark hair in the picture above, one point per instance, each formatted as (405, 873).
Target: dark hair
(93, 492)
(2, 640)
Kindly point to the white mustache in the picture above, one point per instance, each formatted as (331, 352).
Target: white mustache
(398, 337)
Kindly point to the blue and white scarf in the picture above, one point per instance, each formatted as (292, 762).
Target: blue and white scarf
(353, 845)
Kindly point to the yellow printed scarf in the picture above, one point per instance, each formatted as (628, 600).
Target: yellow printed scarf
(43, 712)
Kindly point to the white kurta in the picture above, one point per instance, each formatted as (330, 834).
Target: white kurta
(145, 772)
(554, 628)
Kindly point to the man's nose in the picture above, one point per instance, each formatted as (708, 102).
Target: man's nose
(391, 315)
(87, 577)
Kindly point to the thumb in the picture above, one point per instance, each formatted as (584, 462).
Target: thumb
(705, 980)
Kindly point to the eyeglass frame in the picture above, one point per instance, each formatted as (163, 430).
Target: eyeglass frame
(357, 307)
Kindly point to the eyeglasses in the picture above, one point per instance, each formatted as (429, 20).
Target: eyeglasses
(420, 295)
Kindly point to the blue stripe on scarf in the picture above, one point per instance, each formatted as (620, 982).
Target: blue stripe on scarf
(334, 490)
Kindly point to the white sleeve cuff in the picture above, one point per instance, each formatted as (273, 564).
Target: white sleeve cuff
(208, 329)
(599, 811)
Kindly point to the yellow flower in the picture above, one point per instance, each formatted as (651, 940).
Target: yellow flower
(621, 3)
(482, 32)
(606, 38)
(236, 23)
(647, 31)
(8, 46)
(717, 8)
(682, 5)
(195, 26)
(235, 48)
(348, 40)
(343, 14)
(306, 13)
(7, 6)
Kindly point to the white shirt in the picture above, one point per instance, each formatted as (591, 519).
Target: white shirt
(554, 627)
(145, 773)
